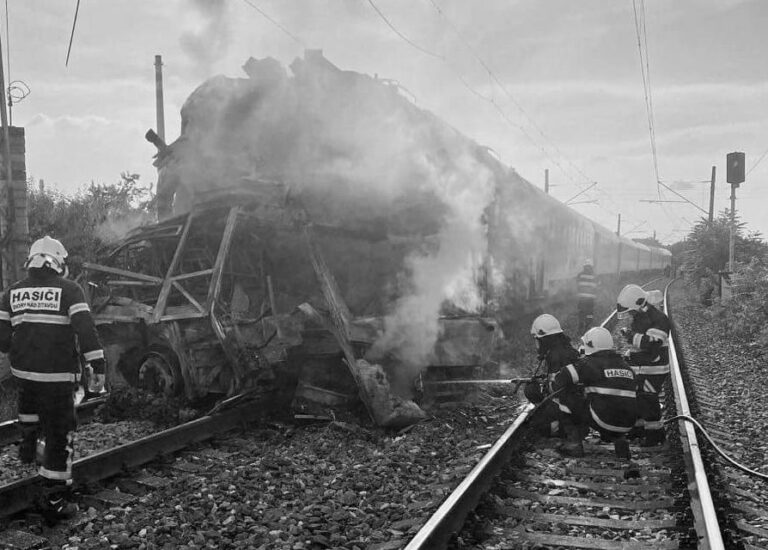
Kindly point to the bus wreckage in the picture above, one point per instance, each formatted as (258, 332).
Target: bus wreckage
(272, 234)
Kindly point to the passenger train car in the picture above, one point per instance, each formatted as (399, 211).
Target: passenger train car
(537, 244)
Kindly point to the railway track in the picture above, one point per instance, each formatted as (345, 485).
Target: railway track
(717, 403)
(122, 462)
(531, 497)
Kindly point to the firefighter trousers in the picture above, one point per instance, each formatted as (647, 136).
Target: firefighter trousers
(649, 409)
(48, 408)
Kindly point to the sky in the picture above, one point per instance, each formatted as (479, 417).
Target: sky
(547, 84)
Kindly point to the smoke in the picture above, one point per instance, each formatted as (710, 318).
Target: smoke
(354, 151)
(446, 275)
(113, 230)
(208, 38)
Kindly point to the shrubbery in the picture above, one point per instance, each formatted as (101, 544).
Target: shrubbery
(91, 220)
(704, 255)
(745, 315)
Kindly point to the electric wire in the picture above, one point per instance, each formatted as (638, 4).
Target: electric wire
(401, 35)
(495, 79)
(646, 77)
(722, 453)
(759, 160)
(276, 24)
(72, 34)
(8, 63)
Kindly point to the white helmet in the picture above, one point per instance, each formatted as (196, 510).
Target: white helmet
(631, 298)
(47, 252)
(655, 297)
(544, 325)
(596, 339)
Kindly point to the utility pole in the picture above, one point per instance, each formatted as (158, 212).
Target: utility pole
(159, 97)
(546, 180)
(618, 234)
(7, 210)
(712, 196)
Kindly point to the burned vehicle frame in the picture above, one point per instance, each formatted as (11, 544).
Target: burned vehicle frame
(175, 304)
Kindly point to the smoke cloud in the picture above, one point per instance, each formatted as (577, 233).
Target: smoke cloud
(355, 151)
(207, 36)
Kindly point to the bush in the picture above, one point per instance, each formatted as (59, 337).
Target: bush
(746, 313)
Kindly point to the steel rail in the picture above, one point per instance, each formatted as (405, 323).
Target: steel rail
(21, 494)
(439, 528)
(451, 514)
(9, 430)
(702, 506)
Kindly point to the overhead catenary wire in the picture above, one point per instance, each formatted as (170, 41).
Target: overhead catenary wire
(496, 80)
(401, 35)
(645, 70)
(72, 34)
(497, 107)
(276, 24)
(759, 160)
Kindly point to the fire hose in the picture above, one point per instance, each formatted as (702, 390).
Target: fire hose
(719, 451)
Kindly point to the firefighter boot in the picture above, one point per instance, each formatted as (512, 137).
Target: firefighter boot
(621, 448)
(28, 444)
(56, 502)
(573, 445)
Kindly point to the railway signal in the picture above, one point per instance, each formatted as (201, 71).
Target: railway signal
(735, 175)
(735, 171)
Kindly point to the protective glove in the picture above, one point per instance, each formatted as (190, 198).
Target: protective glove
(95, 381)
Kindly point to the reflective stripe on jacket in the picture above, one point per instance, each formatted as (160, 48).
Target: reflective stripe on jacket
(41, 319)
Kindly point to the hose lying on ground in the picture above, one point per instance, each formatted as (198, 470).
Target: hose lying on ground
(715, 446)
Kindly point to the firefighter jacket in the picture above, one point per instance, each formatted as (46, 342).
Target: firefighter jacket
(649, 337)
(40, 317)
(558, 354)
(586, 283)
(609, 387)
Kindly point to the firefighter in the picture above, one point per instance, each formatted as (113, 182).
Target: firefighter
(43, 320)
(648, 334)
(610, 397)
(555, 351)
(586, 286)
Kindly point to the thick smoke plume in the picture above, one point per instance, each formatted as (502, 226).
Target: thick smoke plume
(356, 153)
(207, 34)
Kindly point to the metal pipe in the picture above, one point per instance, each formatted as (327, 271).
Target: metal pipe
(10, 214)
(159, 97)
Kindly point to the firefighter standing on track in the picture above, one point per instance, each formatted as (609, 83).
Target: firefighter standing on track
(586, 287)
(610, 397)
(649, 357)
(555, 350)
(43, 320)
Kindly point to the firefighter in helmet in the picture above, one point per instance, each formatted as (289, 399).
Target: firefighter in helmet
(586, 287)
(44, 319)
(555, 351)
(648, 334)
(610, 397)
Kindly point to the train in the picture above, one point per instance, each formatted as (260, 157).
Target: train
(542, 256)
(294, 227)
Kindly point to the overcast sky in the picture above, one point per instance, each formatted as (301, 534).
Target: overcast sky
(546, 84)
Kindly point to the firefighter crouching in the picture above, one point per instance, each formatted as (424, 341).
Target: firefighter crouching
(43, 319)
(610, 405)
(555, 351)
(648, 335)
